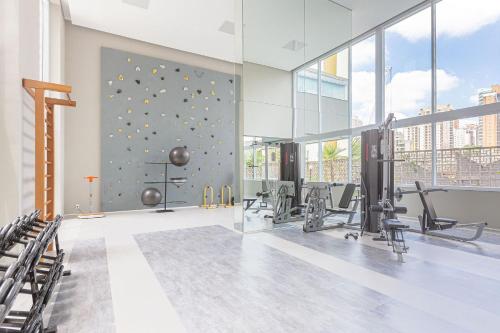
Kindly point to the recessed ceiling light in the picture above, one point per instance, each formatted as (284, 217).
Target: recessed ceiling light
(227, 27)
(144, 4)
(294, 45)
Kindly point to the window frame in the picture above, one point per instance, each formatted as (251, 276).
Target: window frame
(433, 118)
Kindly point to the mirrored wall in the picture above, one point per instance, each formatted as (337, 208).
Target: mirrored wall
(280, 36)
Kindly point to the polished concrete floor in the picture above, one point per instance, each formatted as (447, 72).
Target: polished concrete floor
(192, 271)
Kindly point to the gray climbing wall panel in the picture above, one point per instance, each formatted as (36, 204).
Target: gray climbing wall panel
(148, 107)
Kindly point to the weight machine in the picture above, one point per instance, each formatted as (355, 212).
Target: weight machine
(379, 212)
(282, 195)
(317, 212)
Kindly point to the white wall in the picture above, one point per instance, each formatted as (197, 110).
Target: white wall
(267, 101)
(82, 133)
(19, 58)
(56, 75)
(368, 14)
(463, 205)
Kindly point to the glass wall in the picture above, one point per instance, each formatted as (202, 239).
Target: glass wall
(335, 161)
(463, 158)
(311, 158)
(408, 64)
(255, 156)
(413, 146)
(448, 131)
(274, 158)
(467, 52)
(334, 109)
(307, 102)
(356, 160)
(363, 83)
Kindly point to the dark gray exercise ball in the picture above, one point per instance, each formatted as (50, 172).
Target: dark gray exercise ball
(151, 197)
(179, 156)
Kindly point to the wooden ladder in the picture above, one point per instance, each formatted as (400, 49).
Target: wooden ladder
(44, 141)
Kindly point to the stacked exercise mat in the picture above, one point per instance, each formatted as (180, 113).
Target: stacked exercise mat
(27, 269)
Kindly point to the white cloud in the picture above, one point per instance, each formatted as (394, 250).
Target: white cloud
(455, 18)
(408, 92)
(474, 99)
(415, 27)
(363, 96)
(363, 53)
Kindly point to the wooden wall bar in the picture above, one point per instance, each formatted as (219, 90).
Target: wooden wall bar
(44, 141)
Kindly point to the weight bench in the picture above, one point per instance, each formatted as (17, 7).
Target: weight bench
(394, 234)
(429, 221)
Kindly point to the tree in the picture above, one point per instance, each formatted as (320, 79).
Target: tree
(331, 150)
(356, 148)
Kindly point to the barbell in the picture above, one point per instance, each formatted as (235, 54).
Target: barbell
(398, 194)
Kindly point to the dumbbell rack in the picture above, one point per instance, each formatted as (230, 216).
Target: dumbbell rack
(44, 141)
(24, 242)
(165, 182)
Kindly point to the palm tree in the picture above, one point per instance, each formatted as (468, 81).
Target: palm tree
(356, 148)
(331, 151)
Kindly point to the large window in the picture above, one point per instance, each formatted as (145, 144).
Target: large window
(312, 162)
(468, 52)
(413, 152)
(334, 110)
(437, 68)
(335, 163)
(255, 158)
(273, 161)
(306, 102)
(363, 83)
(356, 160)
(465, 156)
(408, 61)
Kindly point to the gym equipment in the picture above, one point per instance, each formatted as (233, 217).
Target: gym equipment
(317, 212)
(30, 266)
(433, 225)
(354, 235)
(282, 194)
(379, 213)
(212, 204)
(151, 197)
(44, 140)
(229, 202)
(398, 194)
(179, 156)
(91, 214)
(290, 169)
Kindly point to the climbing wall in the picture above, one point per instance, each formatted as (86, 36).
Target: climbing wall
(148, 107)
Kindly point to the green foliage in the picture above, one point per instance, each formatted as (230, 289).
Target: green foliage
(356, 148)
(331, 151)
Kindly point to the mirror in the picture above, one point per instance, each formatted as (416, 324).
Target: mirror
(280, 36)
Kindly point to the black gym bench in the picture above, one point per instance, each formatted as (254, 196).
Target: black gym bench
(429, 221)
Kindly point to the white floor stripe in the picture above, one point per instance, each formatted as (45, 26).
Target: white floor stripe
(470, 318)
(138, 301)
(468, 262)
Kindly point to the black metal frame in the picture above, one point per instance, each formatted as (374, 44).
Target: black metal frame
(165, 182)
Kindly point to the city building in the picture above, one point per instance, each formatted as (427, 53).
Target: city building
(489, 125)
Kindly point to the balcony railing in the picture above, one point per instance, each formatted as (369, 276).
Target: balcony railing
(475, 166)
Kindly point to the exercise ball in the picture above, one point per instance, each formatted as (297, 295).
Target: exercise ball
(179, 156)
(151, 197)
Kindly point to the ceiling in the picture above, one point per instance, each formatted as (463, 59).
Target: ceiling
(277, 33)
(188, 25)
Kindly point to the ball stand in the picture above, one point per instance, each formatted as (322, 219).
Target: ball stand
(177, 181)
(91, 214)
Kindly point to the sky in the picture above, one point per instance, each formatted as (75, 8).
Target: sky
(468, 59)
